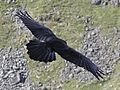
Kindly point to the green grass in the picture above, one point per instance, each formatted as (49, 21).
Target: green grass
(111, 84)
(9, 34)
(45, 75)
(69, 29)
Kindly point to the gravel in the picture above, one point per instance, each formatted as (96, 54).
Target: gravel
(11, 66)
(14, 74)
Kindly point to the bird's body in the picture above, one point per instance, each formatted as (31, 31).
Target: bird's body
(46, 44)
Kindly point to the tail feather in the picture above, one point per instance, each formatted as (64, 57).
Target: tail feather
(52, 56)
(38, 51)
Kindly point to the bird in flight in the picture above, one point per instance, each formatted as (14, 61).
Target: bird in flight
(44, 47)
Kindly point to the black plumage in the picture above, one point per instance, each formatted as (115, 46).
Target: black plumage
(45, 45)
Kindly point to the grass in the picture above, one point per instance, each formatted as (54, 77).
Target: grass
(8, 32)
(111, 84)
(45, 74)
(69, 28)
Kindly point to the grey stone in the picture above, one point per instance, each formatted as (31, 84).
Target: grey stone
(10, 68)
(71, 75)
(96, 2)
(7, 74)
(8, 1)
(115, 2)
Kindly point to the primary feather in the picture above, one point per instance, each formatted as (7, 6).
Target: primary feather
(44, 47)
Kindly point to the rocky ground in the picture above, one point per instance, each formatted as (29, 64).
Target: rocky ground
(12, 68)
(103, 50)
(106, 2)
(14, 74)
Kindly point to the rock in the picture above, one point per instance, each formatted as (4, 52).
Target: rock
(59, 87)
(93, 33)
(71, 75)
(96, 2)
(86, 28)
(14, 73)
(44, 88)
(10, 1)
(86, 19)
(23, 76)
(10, 62)
(7, 74)
(78, 17)
(115, 2)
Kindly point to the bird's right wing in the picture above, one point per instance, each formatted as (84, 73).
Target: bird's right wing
(82, 61)
(39, 31)
(75, 57)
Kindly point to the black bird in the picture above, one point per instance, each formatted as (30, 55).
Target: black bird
(46, 44)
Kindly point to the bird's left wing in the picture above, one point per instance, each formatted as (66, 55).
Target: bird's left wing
(39, 31)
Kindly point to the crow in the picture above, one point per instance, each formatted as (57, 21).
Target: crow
(45, 46)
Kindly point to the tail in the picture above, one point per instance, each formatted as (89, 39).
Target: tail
(38, 51)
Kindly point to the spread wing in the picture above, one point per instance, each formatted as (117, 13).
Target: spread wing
(75, 57)
(82, 61)
(39, 31)
(40, 51)
(37, 48)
